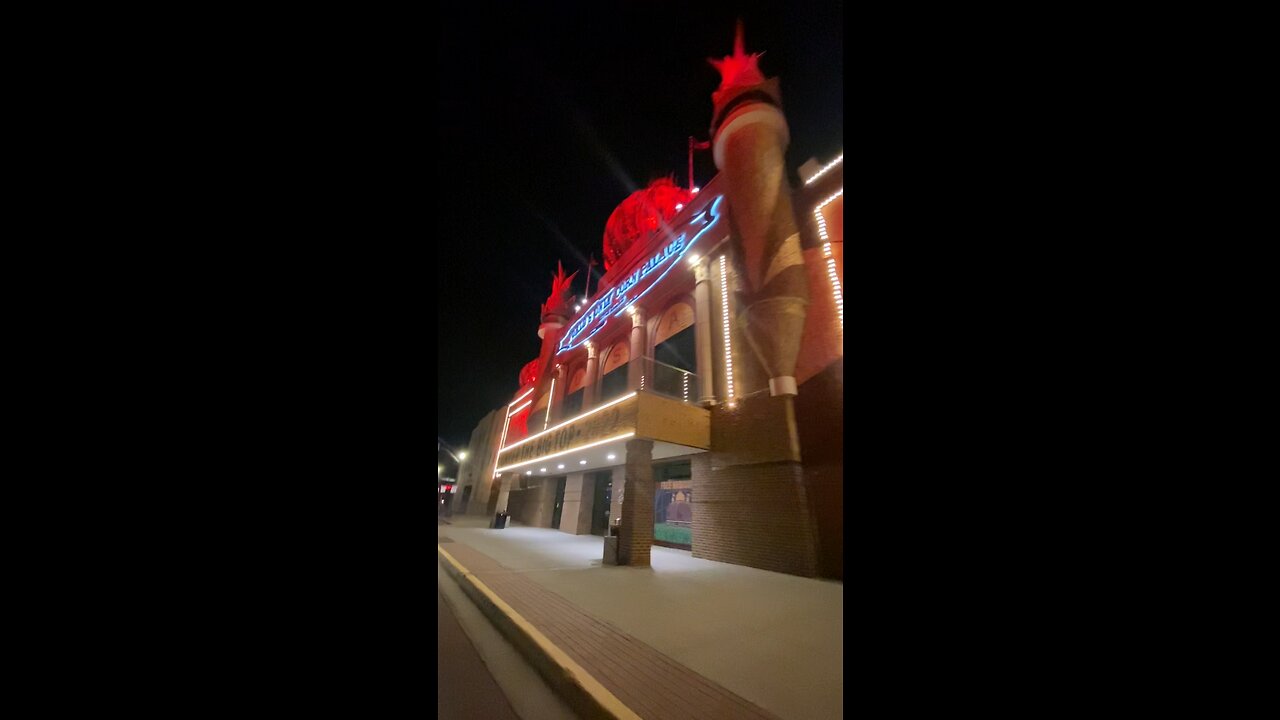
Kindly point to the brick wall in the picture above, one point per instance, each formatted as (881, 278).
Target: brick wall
(755, 515)
(820, 416)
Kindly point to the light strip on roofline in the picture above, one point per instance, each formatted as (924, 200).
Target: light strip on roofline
(566, 422)
(836, 293)
(824, 170)
(728, 344)
(551, 397)
(526, 394)
(505, 424)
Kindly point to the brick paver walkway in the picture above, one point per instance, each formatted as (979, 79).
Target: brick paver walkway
(653, 685)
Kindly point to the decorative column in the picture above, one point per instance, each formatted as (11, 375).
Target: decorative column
(638, 366)
(636, 537)
(750, 137)
(702, 331)
(558, 393)
(755, 495)
(589, 382)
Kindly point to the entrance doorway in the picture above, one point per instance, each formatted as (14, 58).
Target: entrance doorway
(555, 514)
(673, 505)
(603, 501)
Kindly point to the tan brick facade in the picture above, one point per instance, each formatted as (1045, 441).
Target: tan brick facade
(755, 515)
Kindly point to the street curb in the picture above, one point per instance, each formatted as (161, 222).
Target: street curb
(570, 680)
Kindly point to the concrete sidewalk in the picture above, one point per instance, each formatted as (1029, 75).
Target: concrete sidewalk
(774, 640)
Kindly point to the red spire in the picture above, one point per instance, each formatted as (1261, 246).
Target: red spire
(558, 300)
(740, 68)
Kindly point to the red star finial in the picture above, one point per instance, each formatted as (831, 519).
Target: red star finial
(739, 68)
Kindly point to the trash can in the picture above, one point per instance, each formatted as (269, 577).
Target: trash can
(500, 520)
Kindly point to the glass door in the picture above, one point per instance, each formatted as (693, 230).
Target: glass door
(603, 501)
(555, 514)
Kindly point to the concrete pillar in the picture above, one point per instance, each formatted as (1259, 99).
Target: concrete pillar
(504, 493)
(543, 506)
(638, 365)
(579, 497)
(557, 397)
(702, 331)
(637, 506)
(589, 391)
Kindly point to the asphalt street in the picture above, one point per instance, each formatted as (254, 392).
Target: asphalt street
(467, 690)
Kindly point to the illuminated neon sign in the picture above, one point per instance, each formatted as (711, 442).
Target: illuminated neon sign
(614, 302)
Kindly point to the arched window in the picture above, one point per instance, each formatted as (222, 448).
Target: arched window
(675, 350)
(614, 376)
(676, 319)
(673, 342)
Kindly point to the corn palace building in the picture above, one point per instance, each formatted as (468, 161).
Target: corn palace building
(696, 398)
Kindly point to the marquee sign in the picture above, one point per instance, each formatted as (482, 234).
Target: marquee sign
(607, 423)
(614, 302)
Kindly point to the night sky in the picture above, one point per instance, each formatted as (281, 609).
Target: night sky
(549, 116)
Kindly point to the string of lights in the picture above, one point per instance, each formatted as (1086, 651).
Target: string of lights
(826, 251)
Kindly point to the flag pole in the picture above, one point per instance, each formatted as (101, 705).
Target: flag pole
(695, 145)
(691, 163)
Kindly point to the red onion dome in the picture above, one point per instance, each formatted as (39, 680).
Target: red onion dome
(642, 213)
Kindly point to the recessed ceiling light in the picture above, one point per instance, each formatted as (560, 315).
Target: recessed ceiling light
(582, 462)
(612, 456)
(528, 472)
(543, 470)
(560, 467)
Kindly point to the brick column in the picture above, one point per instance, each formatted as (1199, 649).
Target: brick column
(589, 381)
(637, 505)
(638, 365)
(702, 331)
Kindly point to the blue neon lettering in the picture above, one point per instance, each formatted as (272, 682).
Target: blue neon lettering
(613, 302)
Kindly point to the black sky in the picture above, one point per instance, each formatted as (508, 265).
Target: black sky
(549, 116)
